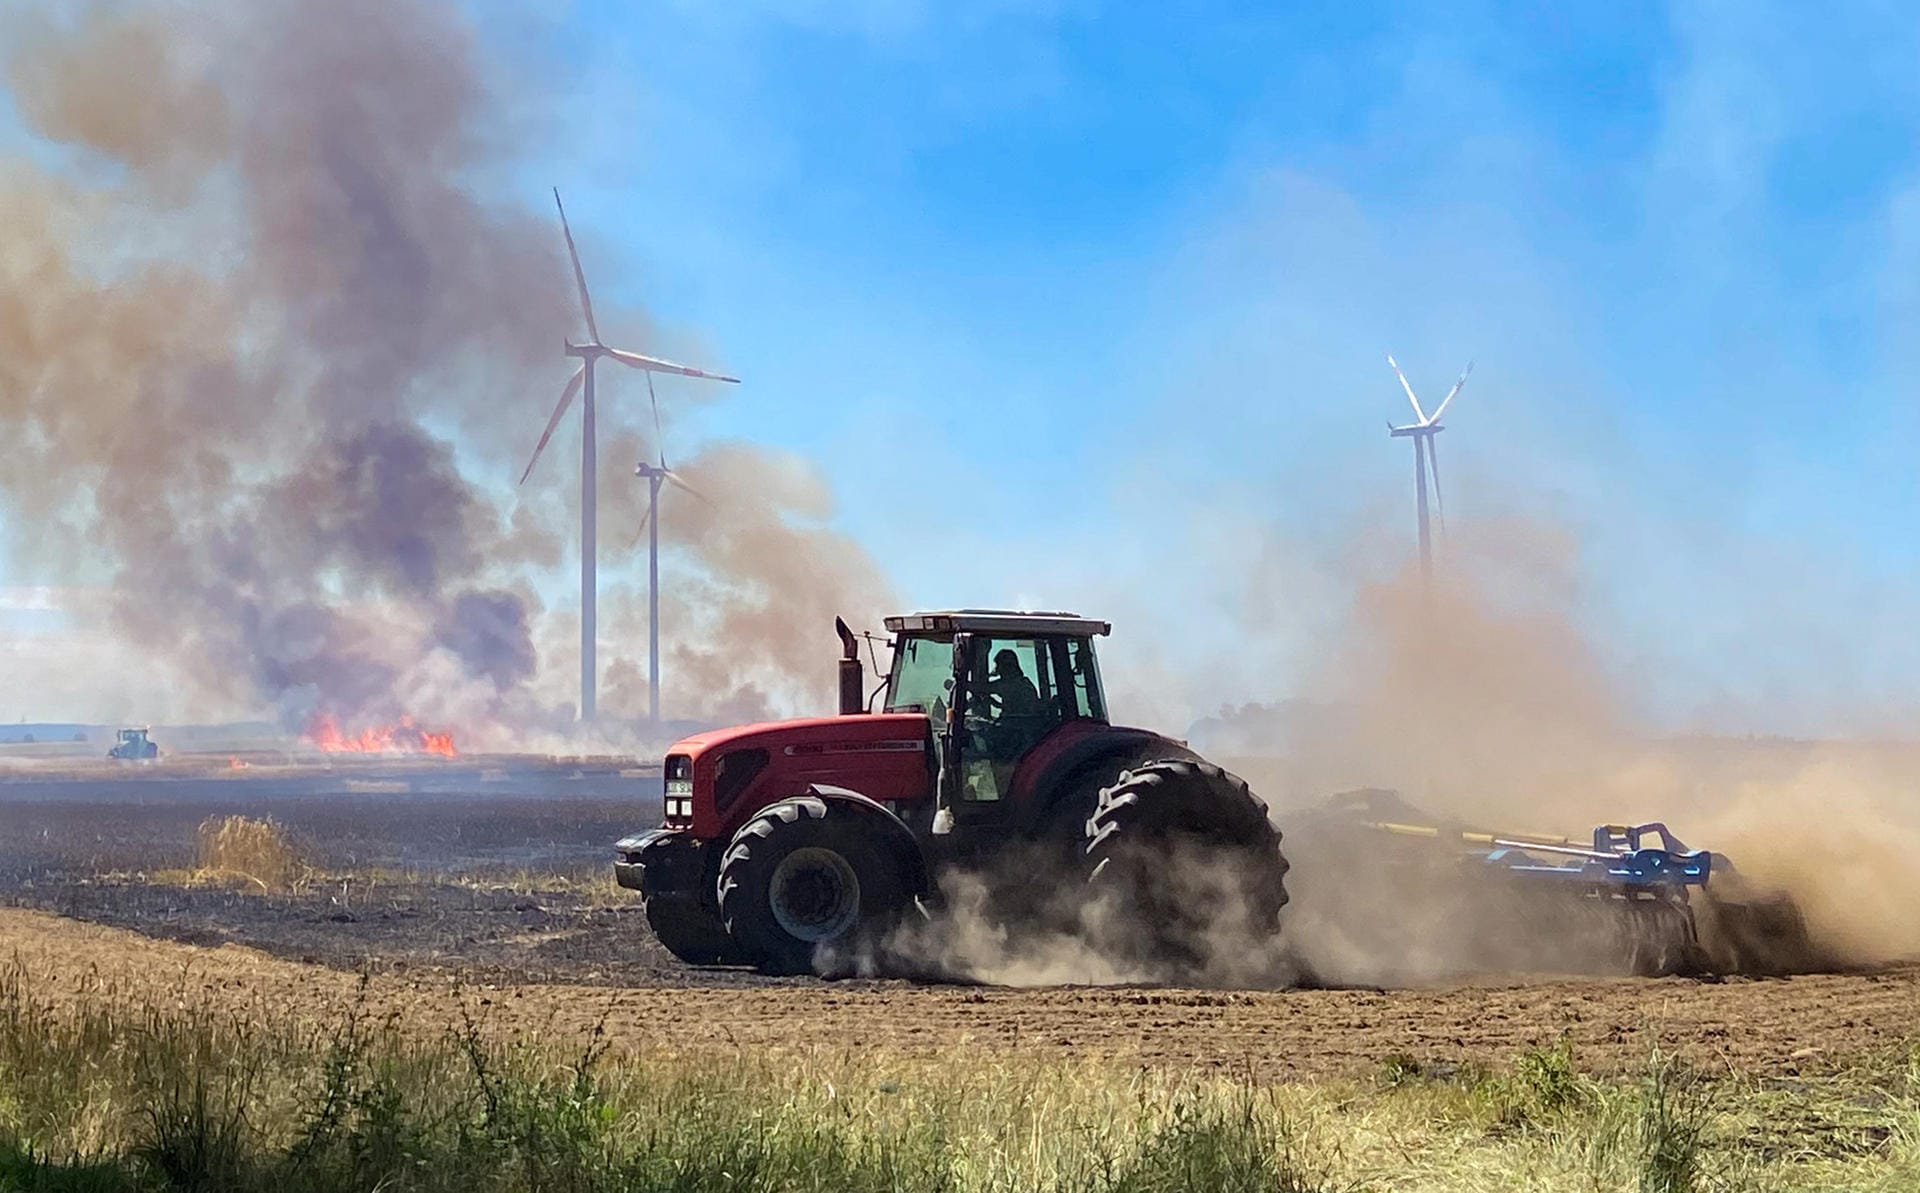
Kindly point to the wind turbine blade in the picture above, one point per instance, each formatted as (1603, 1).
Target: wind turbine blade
(586, 302)
(559, 412)
(674, 479)
(1417, 412)
(659, 441)
(654, 364)
(644, 519)
(1456, 389)
(1433, 465)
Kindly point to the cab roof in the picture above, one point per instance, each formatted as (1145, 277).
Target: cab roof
(997, 621)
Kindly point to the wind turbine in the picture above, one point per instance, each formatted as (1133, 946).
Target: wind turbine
(656, 475)
(1422, 432)
(582, 379)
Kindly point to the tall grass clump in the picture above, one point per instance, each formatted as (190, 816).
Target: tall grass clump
(1543, 1087)
(1209, 1144)
(1674, 1112)
(252, 849)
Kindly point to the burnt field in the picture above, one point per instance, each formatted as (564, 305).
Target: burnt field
(496, 864)
(435, 815)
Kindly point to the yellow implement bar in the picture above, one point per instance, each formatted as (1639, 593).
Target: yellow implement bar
(1476, 838)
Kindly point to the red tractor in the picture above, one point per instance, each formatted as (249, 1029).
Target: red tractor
(993, 752)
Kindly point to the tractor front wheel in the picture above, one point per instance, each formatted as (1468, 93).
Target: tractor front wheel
(807, 874)
(690, 930)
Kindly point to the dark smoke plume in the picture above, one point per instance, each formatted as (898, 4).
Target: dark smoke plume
(241, 315)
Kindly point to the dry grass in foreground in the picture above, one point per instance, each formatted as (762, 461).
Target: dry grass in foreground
(117, 1093)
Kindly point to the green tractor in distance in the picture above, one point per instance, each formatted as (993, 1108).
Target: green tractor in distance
(134, 745)
(993, 753)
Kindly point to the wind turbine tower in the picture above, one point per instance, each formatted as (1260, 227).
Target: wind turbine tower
(1422, 430)
(656, 475)
(581, 383)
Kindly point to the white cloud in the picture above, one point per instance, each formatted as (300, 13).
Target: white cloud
(41, 598)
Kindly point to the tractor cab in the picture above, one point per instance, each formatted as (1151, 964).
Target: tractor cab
(996, 685)
(134, 744)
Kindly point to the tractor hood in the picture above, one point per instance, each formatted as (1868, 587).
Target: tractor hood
(840, 734)
(731, 773)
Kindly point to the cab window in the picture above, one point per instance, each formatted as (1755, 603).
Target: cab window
(922, 671)
(1061, 672)
(1013, 674)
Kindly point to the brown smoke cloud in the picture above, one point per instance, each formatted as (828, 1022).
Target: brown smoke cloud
(751, 630)
(241, 314)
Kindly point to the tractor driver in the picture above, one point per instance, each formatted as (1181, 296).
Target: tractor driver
(1010, 693)
(1012, 709)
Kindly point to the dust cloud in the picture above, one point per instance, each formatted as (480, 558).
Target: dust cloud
(1025, 919)
(1836, 826)
(262, 307)
(968, 939)
(1484, 703)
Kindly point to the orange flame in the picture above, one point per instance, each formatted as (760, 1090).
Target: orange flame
(402, 738)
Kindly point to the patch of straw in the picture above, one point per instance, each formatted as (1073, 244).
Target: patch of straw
(257, 850)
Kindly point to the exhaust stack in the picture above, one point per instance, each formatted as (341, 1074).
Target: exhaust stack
(853, 681)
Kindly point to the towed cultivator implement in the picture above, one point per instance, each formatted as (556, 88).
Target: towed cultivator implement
(1634, 899)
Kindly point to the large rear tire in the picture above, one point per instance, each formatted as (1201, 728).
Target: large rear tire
(808, 874)
(1183, 864)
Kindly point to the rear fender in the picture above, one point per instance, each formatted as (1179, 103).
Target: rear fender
(889, 825)
(1088, 760)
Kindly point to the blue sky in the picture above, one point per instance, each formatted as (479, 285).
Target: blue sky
(1171, 249)
(1084, 304)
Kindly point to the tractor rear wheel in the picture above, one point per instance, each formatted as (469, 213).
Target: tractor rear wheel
(1183, 863)
(806, 874)
(690, 931)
